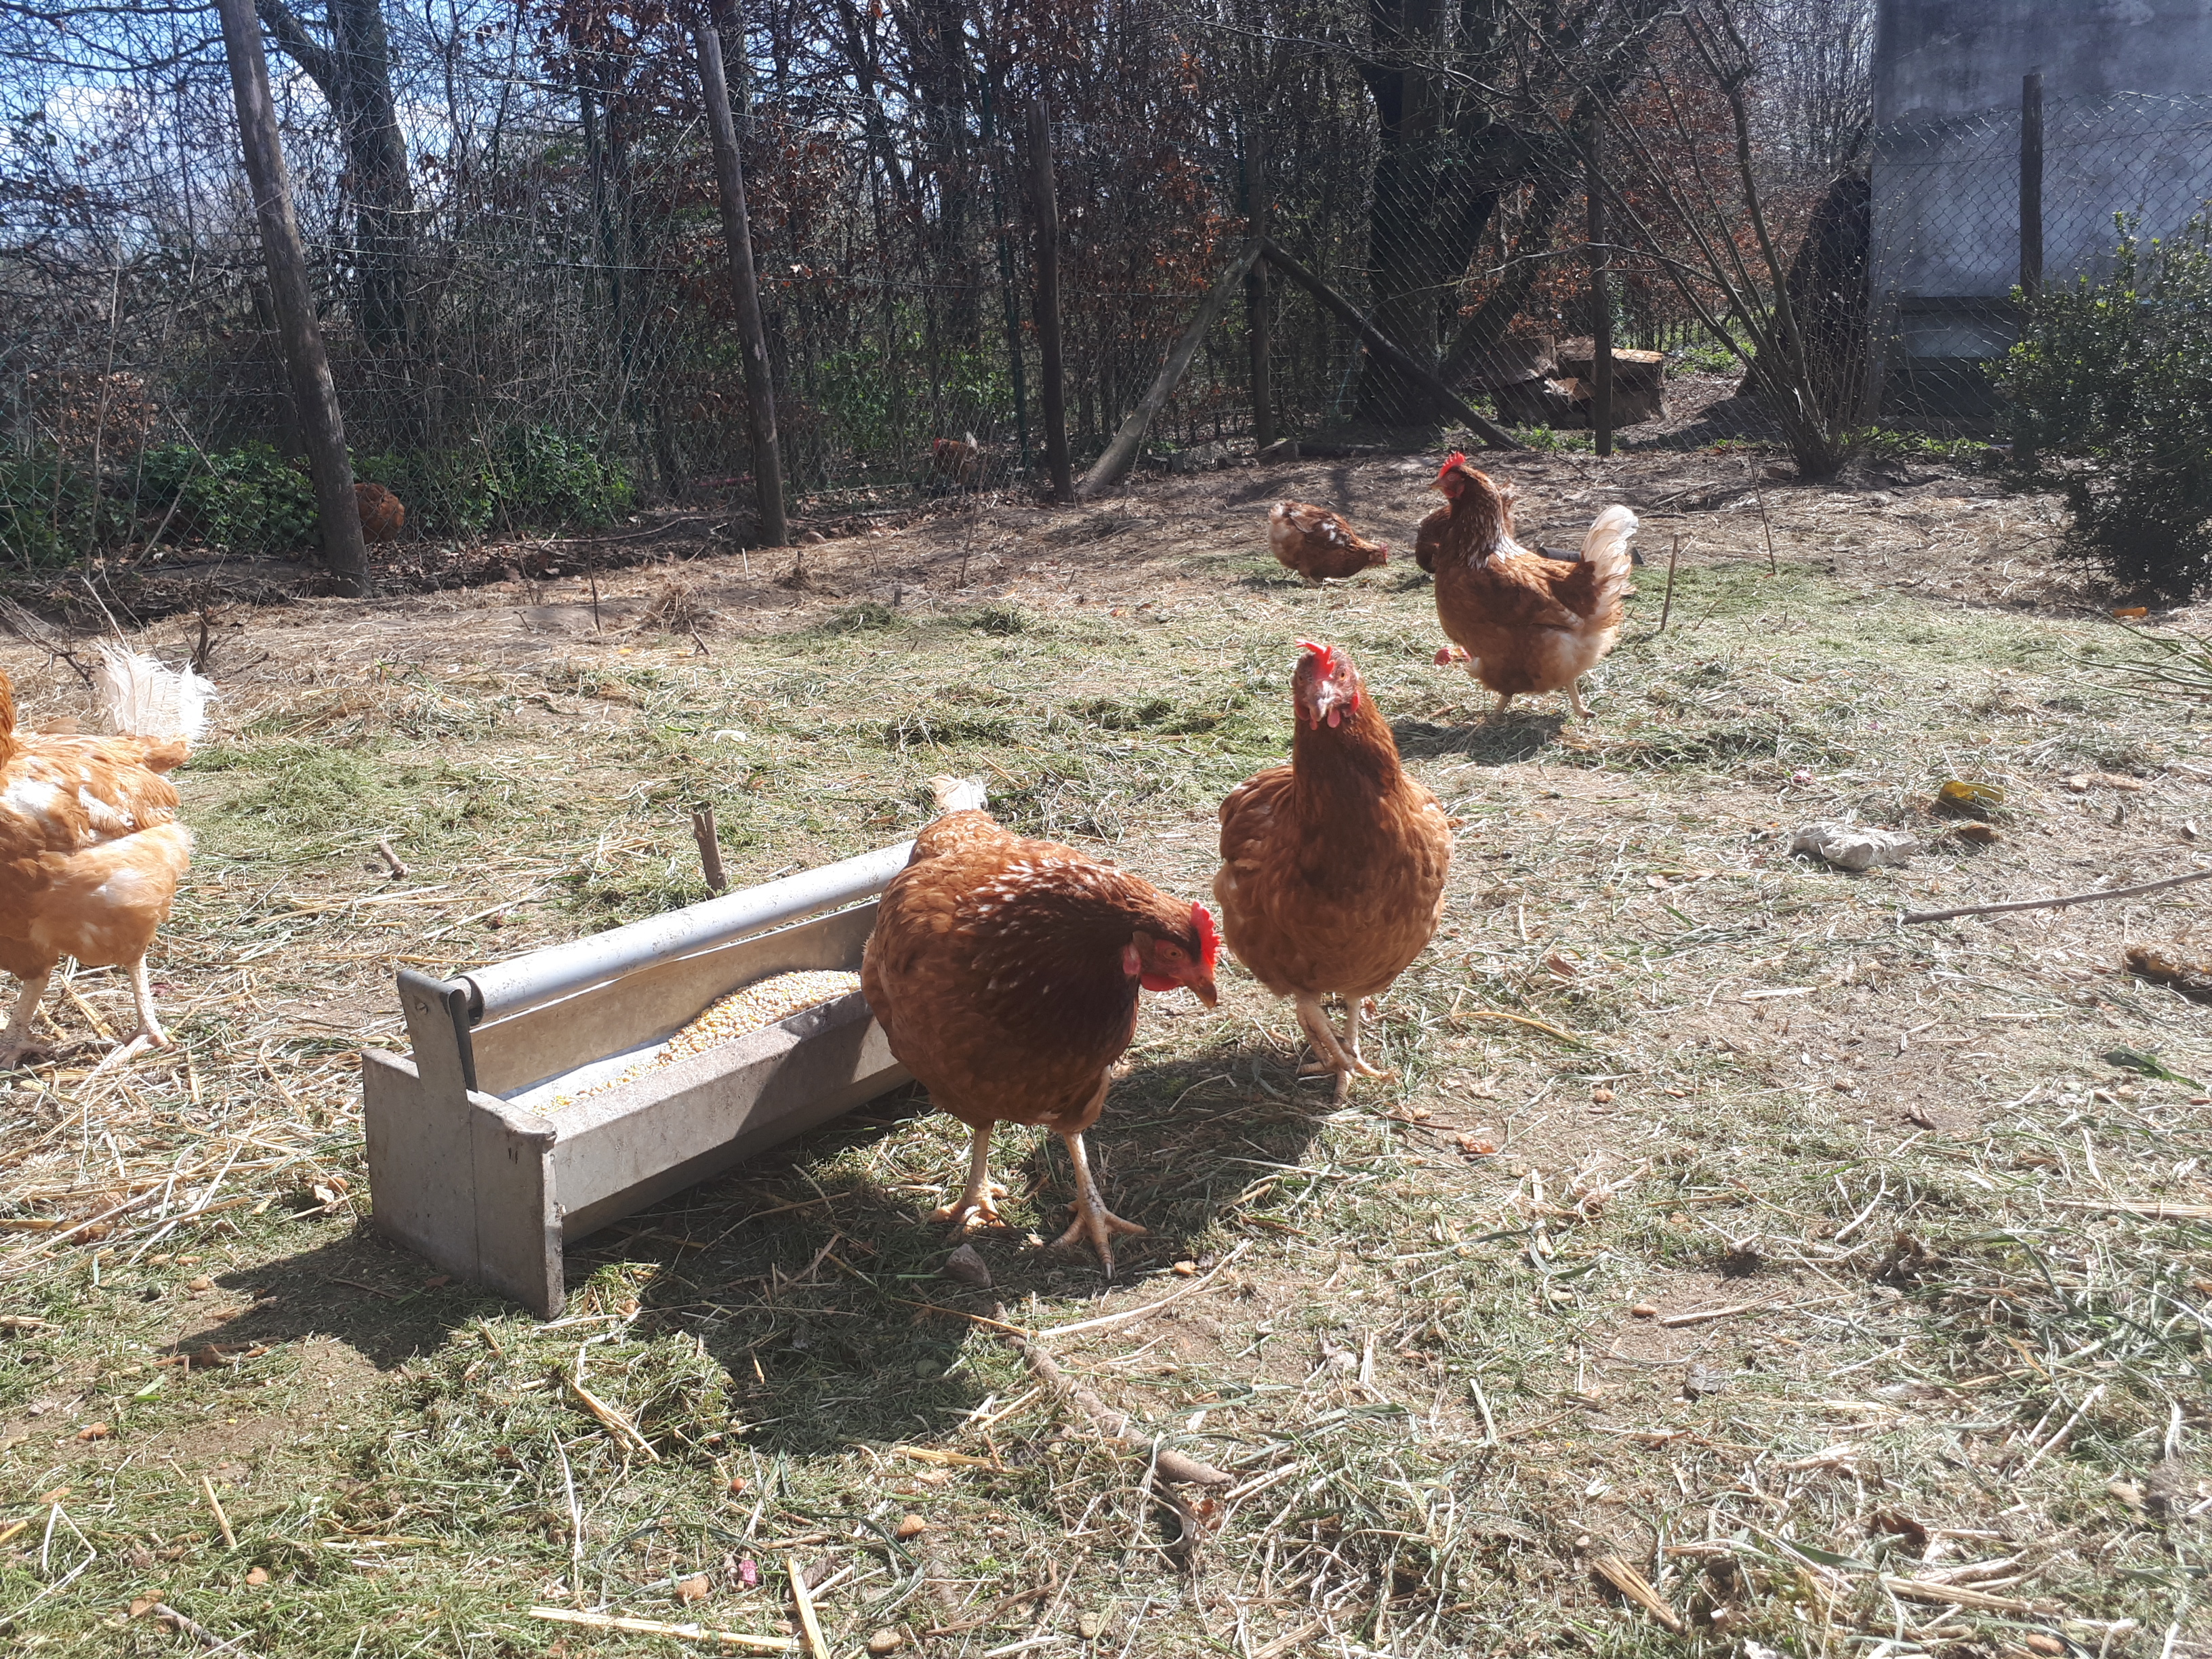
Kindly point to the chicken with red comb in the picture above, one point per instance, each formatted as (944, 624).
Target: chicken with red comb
(1004, 972)
(1332, 867)
(1520, 622)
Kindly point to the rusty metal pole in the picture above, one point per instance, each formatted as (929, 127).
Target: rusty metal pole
(745, 281)
(314, 394)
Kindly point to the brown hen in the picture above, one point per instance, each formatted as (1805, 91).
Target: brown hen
(90, 848)
(1004, 974)
(1318, 543)
(1520, 622)
(383, 514)
(1332, 867)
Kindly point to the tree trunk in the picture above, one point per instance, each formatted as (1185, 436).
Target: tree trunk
(355, 75)
(315, 398)
(737, 234)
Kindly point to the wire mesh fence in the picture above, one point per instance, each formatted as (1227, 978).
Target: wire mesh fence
(1951, 221)
(532, 323)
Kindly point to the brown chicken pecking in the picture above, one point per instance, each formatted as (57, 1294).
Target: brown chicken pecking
(383, 514)
(1332, 867)
(1005, 975)
(1318, 543)
(90, 848)
(1521, 623)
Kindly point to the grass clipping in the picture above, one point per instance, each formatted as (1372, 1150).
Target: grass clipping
(751, 1008)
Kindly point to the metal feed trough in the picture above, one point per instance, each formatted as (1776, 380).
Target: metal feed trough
(468, 1162)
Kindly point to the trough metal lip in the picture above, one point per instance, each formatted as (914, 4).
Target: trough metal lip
(548, 974)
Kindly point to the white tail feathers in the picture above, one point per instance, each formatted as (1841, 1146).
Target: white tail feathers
(958, 794)
(1606, 544)
(141, 699)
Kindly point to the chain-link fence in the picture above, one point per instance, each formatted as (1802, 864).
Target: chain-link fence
(1950, 218)
(531, 322)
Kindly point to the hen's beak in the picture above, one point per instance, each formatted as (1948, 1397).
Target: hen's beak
(1201, 985)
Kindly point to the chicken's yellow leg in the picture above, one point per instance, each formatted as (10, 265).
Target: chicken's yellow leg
(1093, 1220)
(16, 1040)
(975, 1202)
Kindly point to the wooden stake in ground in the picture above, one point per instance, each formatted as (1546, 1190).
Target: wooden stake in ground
(1045, 204)
(315, 395)
(710, 847)
(737, 237)
(1667, 605)
(1773, 565)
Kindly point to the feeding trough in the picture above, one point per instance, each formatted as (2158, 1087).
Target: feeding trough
(542, 1101)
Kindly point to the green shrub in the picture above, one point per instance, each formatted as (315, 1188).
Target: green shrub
(2108, 391)
(528, 476)
(247, 500)
(50, 511)
(544, 478)
(445, 494)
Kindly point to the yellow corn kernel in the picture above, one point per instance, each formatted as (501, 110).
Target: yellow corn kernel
(751, 1008)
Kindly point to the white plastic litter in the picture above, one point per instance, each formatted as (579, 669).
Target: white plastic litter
(1852, 846)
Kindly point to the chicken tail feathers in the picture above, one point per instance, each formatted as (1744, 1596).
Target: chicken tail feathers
(140, 698)
(958, 795)
(1606, 547)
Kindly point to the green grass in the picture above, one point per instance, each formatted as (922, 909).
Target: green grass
(1420, 1368)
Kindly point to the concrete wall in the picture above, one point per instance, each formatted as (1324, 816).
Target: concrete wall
(2127, 87)
(1938, 59)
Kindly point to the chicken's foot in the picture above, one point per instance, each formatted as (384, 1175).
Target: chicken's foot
(1574, 698)
(149, 1034)
(1093, 1220)
(975, 1203)
(15, 1039)
(1497, 714)
(1334, 1054)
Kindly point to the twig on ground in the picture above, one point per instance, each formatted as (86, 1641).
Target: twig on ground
(1048, 1333)
(1637, 1589)
(2056, 903)
(656, 1627)
(802, 1600)
(620, 1426)
(1109, 1425)
(222, 1521)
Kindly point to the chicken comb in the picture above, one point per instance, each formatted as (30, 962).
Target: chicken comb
(1457, 457)
(1209, 940)
(1326, 652)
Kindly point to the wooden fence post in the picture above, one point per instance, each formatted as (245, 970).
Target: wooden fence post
(737, 235)
(1601, 304)
(1045, 205)
(315, 395)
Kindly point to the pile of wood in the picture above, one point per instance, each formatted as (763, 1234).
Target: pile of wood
(1554, 383)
